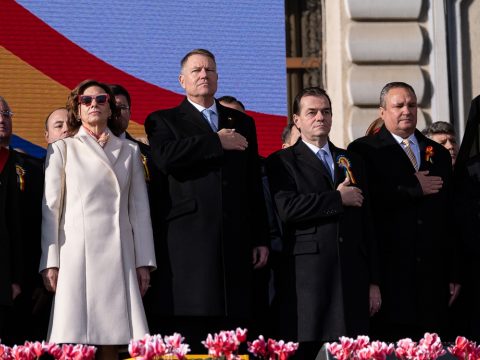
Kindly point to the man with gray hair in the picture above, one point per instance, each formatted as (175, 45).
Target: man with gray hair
(213, 218)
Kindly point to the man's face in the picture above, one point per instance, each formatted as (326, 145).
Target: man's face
(315, 118)
(449, 142)
(199, 77)
(124, 118)
(57, 126)
(5, 125)
(400, 112)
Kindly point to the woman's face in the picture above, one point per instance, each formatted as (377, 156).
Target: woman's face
(94, 108)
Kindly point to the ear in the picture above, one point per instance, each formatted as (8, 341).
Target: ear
(181, 80)
(295, 120)
(381, 112)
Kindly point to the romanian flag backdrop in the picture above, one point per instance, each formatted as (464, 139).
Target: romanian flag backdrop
(48, 47)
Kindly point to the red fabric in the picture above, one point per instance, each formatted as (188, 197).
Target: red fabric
(3, 157)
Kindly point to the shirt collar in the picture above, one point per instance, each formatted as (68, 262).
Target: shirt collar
(201, 108)
(411, 138)
(315, 148)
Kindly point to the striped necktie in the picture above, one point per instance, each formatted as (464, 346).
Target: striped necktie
(409, 152)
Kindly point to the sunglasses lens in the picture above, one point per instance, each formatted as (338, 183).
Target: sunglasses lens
(86, 100)
(101, 99)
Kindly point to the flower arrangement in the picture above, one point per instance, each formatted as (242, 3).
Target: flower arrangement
(36, 350)
(428, 348)
(225, 344)
(272, 349)
(155, 347)
(465, 349)
(429, 154)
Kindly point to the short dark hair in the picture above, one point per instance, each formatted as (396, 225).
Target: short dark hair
(231, 100)
(394, 85)
(50, 114)
(203, 52)
(310, 91)
(287, 132)
(120, 90)
(73, 120)
(439, 127)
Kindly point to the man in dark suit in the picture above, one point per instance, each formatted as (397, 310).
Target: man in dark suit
(213, 224)
(11, 257)
(329, 276)
(410, 183)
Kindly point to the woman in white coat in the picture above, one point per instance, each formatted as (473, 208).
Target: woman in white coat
(97, 243)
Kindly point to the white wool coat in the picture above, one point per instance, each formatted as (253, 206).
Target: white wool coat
(96, 230)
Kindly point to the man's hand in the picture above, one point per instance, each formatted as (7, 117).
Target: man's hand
(454, 291)
(16, 290)
(375, 299)
(430, 184)
(351, 195)
(260, 257)
(50, 277)
(143, 276)
(232, 140)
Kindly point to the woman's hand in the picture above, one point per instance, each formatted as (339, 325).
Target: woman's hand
(143, 276)
(50, 277)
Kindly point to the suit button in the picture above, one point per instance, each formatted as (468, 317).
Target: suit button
(419, 259)
(340, 239)
(420, 222)
(224, 183)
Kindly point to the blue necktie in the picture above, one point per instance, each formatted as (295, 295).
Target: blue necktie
(322, 155)
(208, 115)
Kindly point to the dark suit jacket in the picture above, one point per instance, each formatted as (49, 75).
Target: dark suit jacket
(212, 213)
(414, 231)
(11, 257)
(325, 284)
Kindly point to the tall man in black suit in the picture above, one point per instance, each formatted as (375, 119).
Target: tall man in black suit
(328, 282)
(410, 183)
(213, 223)
(11, 256)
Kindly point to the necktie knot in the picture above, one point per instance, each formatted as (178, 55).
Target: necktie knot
(208, 115)
(409, 152)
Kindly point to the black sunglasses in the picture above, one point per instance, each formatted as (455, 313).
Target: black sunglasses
(88, 99)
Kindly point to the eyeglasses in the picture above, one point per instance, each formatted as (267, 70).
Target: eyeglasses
(88, 99)
(6, 113)
(123, 107)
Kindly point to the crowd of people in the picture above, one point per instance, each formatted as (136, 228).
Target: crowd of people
(195, 232)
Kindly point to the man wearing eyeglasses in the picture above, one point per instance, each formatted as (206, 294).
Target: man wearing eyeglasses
(11, 259)
(213, 214)
(123, 101)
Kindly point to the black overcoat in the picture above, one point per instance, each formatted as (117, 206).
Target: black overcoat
(414, 231)
(211, 213)
(329, 249)
(11, 257)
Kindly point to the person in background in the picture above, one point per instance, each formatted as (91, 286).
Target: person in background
(56, 125)
(444, 134)
(11, 251)
(290, 135)
(232, 102)
(411, 196)
(213, 209)
(97, 242)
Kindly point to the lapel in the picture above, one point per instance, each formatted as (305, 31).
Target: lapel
(96, 149)
(225, 121)
(396, 152)
(113, 148)
(190, 114)
(306, 157)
